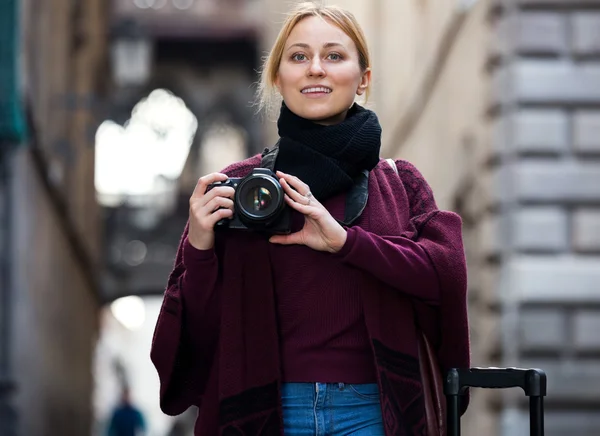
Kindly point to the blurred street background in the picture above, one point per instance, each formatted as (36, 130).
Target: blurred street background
(111, 110)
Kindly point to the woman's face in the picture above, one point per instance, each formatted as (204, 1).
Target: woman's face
(319, 74)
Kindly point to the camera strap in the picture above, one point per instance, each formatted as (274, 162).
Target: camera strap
(269, 157)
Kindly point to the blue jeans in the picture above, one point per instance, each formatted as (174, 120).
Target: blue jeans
(331, 409)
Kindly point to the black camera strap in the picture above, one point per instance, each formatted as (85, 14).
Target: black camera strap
(269, 157)
(356, 198)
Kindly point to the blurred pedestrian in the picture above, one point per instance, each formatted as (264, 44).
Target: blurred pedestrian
(313, 331)
(126, 420)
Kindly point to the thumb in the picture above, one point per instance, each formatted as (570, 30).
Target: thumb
(285, 239)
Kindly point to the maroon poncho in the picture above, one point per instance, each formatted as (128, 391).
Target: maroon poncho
(216, 342)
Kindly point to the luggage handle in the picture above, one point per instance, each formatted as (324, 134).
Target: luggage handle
(532, 381)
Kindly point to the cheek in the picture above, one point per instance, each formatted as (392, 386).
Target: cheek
(348, 77)
(287, 76)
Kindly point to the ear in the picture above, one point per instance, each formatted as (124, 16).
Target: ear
(364, 82)
(277, 83)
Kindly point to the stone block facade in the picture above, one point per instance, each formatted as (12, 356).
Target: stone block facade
(545, 137)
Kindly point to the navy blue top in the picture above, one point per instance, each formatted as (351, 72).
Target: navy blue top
(126, 421)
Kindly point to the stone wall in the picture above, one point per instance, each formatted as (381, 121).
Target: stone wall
(545, 116)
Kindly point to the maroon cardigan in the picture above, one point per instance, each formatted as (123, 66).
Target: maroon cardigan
(216, 345)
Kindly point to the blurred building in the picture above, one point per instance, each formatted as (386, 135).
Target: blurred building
(172, 60)
(52, 61)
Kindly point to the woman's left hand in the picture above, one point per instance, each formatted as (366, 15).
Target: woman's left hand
(321, 231)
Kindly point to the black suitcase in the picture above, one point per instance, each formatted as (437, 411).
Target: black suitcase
(532, 381)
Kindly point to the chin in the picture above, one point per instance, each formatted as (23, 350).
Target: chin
(317, 115)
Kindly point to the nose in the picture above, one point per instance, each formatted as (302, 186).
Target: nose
(315, 69)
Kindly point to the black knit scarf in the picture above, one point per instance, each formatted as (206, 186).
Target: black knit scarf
(328, 158)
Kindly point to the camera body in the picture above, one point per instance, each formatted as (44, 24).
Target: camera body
(259, 203)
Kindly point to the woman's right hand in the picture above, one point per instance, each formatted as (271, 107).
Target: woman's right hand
(207, 208)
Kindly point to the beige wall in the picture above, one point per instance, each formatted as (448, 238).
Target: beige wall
(449, 136)
(55, 321)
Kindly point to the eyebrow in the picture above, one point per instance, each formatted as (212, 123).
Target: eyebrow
(326, 45)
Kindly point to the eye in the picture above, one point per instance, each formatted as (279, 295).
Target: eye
(299, 57)
(335, 56)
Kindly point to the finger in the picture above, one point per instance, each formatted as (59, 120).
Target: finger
(218, 203)
(305, 209)
(294, 194)
(217, 216)
(291, 239)
(295, 182)
(219, 191)
(204, 181)
(206, 220)
(201, 213)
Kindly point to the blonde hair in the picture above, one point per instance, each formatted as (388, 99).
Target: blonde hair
(345, 20)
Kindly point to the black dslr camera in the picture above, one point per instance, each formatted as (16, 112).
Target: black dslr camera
(259, 203)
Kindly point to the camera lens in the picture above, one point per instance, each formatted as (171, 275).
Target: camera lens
(259, 199)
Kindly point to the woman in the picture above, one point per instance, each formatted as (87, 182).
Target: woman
(313, 332)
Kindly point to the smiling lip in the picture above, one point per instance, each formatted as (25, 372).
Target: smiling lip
(313, 95)
(316, 89)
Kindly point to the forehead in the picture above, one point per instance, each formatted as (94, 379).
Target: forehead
(316, 31)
